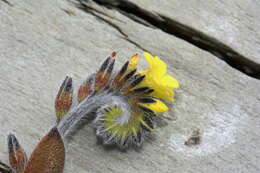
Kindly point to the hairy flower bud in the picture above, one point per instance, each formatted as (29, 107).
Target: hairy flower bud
(64, 98)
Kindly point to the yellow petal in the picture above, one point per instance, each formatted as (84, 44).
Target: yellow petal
(157, 107)
(163, 93)
(142, 72)
(133, 62)
(163, 87)
(156, 65)
(170, 81)
(157, 79)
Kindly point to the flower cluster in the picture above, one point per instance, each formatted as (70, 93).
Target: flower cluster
(130, 98)
(124, 106)
(124, 103)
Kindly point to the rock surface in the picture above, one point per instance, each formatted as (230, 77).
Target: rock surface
(43, 41)
(235, 23)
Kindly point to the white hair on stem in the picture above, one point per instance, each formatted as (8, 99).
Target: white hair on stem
(90, 104)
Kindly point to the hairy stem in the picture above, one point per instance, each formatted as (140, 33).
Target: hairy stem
(82, 110)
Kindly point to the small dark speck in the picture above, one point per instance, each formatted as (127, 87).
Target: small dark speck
(69, 12)
(194, 139)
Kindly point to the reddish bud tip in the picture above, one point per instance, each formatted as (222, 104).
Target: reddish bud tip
(64, 98)
(113, 54)
(83, 91)
(17, 156)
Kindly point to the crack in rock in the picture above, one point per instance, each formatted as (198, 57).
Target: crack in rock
(187, 33)
(8, 3)
(97, 14)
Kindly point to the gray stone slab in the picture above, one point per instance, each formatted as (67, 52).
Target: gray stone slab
(235, 23)
(40, 43)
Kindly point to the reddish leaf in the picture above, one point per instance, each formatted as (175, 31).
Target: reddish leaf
(48, 156)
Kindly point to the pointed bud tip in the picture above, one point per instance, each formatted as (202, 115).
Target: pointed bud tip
(68, 87)
(63, 99)
(113, 54)
(12, 142)
(65, 86)
(54, 133)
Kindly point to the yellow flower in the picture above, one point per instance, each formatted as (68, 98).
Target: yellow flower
(156, 77)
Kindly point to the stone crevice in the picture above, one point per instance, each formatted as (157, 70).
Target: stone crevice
(7, 2)
(187, 33)
(99, 15)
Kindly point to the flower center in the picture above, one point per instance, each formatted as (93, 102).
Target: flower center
(120, 124)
